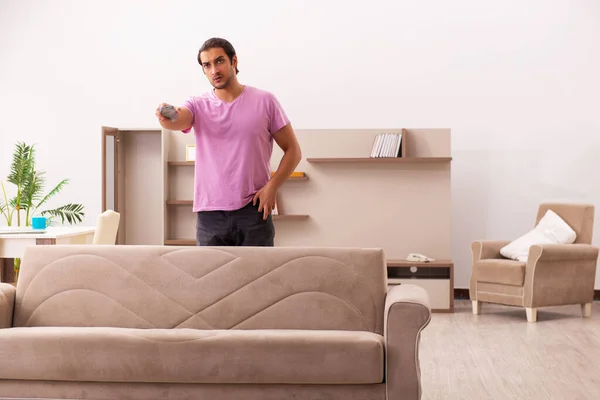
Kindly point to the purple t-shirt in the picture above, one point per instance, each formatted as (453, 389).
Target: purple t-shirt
(233, 146)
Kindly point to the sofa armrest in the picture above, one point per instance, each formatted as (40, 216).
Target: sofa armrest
(407, 313)
(560, 274)
(486, 249)
(7, 304)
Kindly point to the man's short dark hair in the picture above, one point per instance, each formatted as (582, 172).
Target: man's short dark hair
(215, 42)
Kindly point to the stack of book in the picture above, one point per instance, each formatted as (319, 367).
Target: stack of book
(387, 145)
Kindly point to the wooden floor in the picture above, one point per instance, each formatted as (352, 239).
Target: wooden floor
(499, 355)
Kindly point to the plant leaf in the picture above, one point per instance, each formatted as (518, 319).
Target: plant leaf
(3, 204)
(7, 211)
(20, 172)
(52, 193)
(3, 208)
(22, 164)
(70, 212)
(32, 189)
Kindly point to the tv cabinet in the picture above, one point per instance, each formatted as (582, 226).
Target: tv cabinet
(437, 277)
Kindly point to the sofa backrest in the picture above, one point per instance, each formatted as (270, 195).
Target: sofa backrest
(202, 287)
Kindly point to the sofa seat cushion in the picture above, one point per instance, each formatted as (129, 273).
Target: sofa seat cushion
(502, 271)
(191, 356)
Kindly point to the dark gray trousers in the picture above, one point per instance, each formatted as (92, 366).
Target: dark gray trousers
(243, 227)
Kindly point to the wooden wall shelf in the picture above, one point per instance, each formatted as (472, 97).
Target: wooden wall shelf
(431, 264)
(380, 160)
(181, 163)
(281, 217)
(289, 217)
(275, 217)
(180, 202)
(192, 163)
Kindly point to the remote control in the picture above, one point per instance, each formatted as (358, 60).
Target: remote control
(169, 112)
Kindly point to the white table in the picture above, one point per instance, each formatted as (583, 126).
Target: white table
(12, 245)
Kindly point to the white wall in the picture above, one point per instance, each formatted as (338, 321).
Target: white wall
(517, 82)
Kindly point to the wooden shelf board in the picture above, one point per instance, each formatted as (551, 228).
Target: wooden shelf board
(302, 177)
(289, 217)
(153, 130)
(192, 163)
(275, 217)
(181, 163)
(180, 202)
(381, 160)
(431, 264)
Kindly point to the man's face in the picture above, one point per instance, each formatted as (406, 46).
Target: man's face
(217, 67)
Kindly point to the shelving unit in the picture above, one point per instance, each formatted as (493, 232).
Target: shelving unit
(401, 204)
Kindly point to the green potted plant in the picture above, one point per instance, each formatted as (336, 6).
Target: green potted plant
(29, 183)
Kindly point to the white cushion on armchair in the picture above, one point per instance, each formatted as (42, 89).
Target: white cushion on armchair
(551, 229)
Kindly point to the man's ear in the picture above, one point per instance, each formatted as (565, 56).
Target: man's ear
(234, 61)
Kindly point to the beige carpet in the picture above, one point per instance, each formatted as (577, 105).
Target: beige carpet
(499, 355)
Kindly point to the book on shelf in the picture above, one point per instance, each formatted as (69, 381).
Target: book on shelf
(295, 174)
(386, 145)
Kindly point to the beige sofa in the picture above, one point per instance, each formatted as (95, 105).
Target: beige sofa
(145, 322)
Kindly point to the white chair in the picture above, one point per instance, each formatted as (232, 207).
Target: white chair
(107, 228)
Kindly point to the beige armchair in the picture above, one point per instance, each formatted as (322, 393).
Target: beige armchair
(556, 274)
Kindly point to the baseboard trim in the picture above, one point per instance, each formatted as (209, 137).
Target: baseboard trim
(463, 294)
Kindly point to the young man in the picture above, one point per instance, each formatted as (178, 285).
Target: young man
(235, 126)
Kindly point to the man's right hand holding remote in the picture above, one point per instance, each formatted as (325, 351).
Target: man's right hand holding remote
(182, 121)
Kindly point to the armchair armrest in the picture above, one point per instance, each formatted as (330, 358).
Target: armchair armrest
(560, 274)
(486, 249)
(7, 304)
(563, 252)
(407, 313)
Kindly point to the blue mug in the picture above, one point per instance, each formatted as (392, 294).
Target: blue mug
(39, 223)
